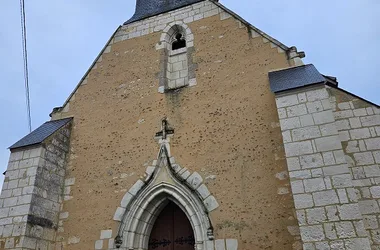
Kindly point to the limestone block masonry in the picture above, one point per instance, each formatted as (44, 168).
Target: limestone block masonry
(325, 197)
(358, 124)
(31, 196)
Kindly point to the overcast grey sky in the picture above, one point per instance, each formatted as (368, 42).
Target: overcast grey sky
(340, 37)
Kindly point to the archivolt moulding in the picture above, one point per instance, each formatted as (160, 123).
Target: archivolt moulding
(165, 181)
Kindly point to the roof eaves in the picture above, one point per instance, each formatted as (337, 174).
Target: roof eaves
(30, 139)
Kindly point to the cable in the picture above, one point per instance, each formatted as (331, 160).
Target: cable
(25, 57)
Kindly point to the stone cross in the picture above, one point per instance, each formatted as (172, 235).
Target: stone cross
(165, 130)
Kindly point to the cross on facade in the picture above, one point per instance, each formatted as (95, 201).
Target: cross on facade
(165, 130)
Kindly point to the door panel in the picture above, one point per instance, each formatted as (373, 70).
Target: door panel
(172, 230)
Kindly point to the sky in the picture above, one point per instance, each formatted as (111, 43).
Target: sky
(339, 37)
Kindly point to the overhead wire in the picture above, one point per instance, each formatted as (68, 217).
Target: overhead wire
(25, 58)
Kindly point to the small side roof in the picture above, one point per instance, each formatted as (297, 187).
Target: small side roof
(293, 78)
(41, 133)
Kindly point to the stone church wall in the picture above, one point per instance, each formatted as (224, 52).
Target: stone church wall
(226, 129)
(32, 194)
(332, 143)
(358, 123)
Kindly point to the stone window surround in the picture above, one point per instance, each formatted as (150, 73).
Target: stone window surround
(165, 45)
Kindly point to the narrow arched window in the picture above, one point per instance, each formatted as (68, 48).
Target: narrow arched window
(179, 42)
(177, 66)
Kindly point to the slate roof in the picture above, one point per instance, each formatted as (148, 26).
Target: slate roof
(296, 77)
(41, 133)
(148, 8)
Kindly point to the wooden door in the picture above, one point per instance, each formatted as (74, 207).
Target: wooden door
(172, 230)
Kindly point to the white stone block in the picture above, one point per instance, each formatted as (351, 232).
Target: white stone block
(323, 117)
(296, 110)
(358, 243)
(286, 101)
(324, 198)
(314, 107)
(301, 134)
(195, 180)
(370, 222)
(136, 187)
(300, 175)
(336, 170)
(105, 234)
(332, 213)
(211, 203)
(342, 181)
(203, 191)
(375, 191)
(297, 187)
(360, 112)
(344, 136)
(290, 123)
(328, 158)
(232, 244)
(302, 97)
(369, 121)
(293, 163)
(312, 233)
(343, 124)
(69, 181)
(361, 133)
(355, 122)
(119, 214)
(317, 94)
(19, 210)
(373, 143)
(365, 158)
(368, 207)
(330, 231)
(349, 212)
(311, 161)
(220, 245)
(343, 114)
(303, 201)
(306, 120)
(316, 215)
(99, 244)
(328, 143)
(298, 148)
(328, 129)
(312, 185)
(345, 229)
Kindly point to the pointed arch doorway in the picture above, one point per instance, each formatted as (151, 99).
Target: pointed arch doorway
(172, 230)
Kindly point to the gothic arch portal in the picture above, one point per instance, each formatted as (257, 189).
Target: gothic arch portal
(165, 181)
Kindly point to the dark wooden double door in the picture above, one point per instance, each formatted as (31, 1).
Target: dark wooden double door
(172, 230)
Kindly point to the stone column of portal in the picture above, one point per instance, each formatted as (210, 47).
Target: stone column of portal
(325, 200)
(31, 196)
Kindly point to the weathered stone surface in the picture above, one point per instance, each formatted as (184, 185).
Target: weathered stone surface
(312, 233)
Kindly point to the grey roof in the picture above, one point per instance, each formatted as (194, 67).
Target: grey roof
(296, 77)
(148, 8)
(41, 133)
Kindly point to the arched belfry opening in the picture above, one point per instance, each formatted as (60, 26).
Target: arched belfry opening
(169, 209)
(177, 68)
(171, 230)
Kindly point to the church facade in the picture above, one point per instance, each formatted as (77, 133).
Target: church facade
(193, 129)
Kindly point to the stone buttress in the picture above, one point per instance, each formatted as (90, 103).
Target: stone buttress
(32, 192)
